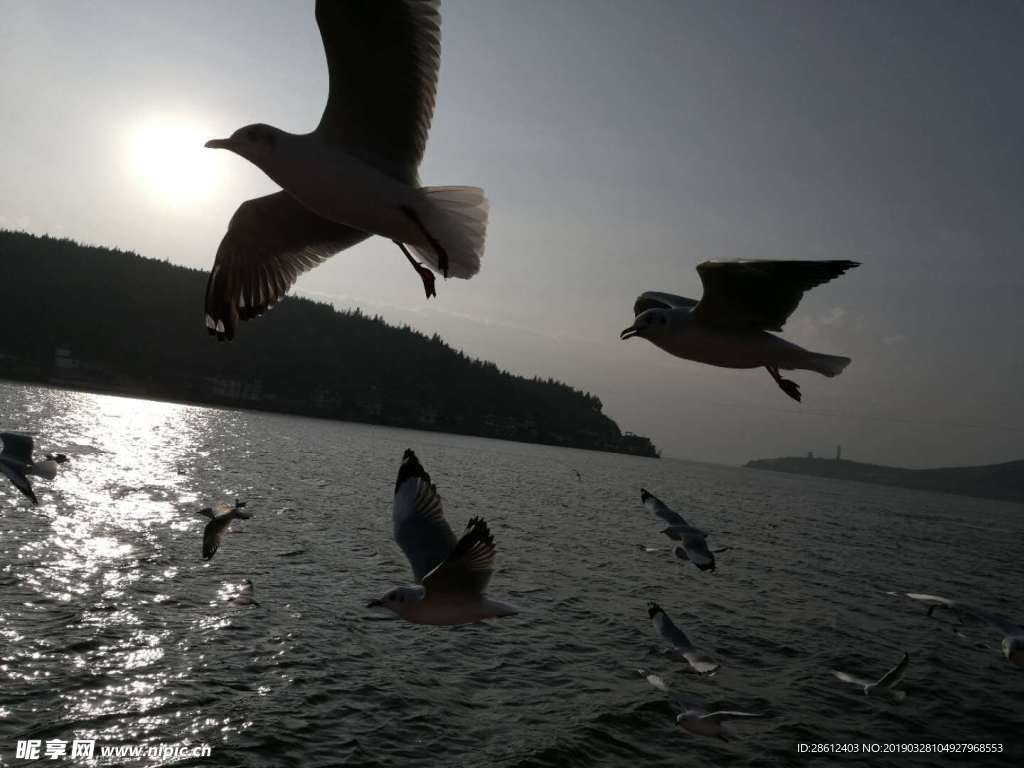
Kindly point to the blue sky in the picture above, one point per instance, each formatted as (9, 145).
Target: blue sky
(620, 144)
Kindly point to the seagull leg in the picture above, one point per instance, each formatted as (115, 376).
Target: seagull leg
(425, 274)
(442, 254)
(788, 386)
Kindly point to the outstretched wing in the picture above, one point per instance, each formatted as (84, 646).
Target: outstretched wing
(213, 534)
(659, 300)
(759, 294)
(696, 548)
(467, 570)
(270, 241)
(846, 677)
(729, 715)
(382, 62)
(20, 481)
(894, 675)
(17, 447)
(654, 504)
(418, 519)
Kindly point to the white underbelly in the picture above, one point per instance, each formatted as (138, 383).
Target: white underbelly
(731, 349)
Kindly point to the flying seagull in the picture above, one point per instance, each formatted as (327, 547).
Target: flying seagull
(1013, 634)
(728, 327)
(451, 574)
(885, 684)
(693, 546)
(17, 464)
(356, 174)
(220, 519)
(692, 716)
(681, 645)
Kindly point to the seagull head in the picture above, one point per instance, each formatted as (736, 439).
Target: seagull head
(399, 600)
(253, 142)
(653, 322)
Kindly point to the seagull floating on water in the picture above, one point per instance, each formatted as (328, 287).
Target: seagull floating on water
(220, 518)
(1013, 634)
(728, 327)
(17, 464)
(355, 175)
(885, 684)
(451, 574)
(693, 546)
(681, 645)
(692, 716)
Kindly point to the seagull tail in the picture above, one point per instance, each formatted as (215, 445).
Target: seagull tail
(826, 365)
(455, 220)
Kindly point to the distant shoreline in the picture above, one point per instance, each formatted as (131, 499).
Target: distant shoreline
(1000, 482)
(99, 389)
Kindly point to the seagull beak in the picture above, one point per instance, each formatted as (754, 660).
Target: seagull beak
(629, 332)
(218, 144)
(374, 604)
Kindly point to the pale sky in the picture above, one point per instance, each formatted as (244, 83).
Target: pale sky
(621, 144)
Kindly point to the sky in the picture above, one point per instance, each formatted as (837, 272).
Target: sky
(620, 145)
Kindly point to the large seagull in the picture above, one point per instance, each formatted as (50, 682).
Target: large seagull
(356, 174)
(728, 327)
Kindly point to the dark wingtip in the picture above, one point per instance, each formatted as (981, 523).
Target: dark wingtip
(477, 526)
(411, 467)
(644, 494)
(653, 609)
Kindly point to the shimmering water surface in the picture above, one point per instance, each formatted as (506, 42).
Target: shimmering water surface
(113, 628)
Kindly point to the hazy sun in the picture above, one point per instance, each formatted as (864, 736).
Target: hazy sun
(168, 158)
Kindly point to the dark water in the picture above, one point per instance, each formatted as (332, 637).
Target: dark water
(113, 628)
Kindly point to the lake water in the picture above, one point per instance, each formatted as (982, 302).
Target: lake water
(113, 628)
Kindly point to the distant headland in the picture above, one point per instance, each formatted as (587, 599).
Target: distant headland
(1004, 482)
(111, 321)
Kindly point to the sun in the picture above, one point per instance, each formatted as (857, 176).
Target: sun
(168, 159)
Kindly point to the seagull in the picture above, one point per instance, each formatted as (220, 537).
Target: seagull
(694, 547)
(220, 519)
(244, 595)
(681, 645)
(693, 718)
(16, 462)
(355, 175)
(885, 684)
(451, 575)
(1013, 634)
(728, 327)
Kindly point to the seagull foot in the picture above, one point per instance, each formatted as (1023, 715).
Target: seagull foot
(428, 279)
(791, 388)
(442, 254)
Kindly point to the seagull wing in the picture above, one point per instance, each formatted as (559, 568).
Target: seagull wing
(213, 534)
(468, 569)
(846, 677)
(893, 677)
(654, 504)
(672, 634)
(659, 300)
(382, 62)
(17, 476)
(759, 294)
(418, 519)
(270, 241)
(17, 447)
(729, 715)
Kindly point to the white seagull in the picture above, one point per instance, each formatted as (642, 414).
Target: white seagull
(220, 518)
(356, 174)
(693, 546)
(728, 327)
(692, 716)
(1013, 634)
(885, 684)
(681, 645)
(451, 574)
(17, 464)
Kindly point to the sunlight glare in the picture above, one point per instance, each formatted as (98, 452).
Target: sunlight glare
(168, 158)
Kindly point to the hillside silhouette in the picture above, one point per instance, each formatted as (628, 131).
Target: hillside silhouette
(109, 320)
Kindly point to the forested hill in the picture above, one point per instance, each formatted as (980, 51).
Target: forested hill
(113, 321)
